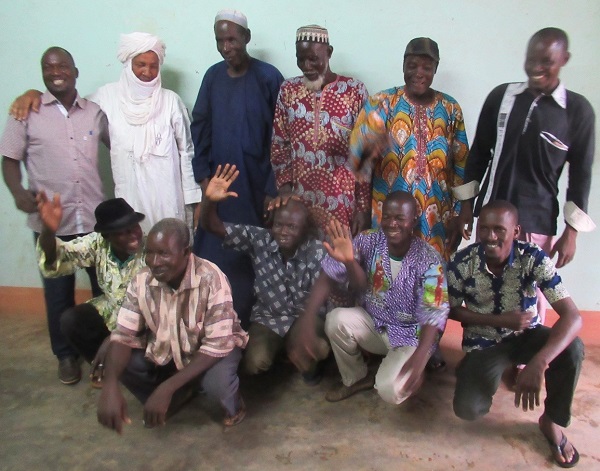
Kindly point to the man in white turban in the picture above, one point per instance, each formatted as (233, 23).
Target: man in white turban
(149, 127)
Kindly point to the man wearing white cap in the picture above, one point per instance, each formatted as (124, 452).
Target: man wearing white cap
(149, 127)
(232, 123)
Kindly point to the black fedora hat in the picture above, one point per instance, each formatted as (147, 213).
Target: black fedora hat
(115, 215)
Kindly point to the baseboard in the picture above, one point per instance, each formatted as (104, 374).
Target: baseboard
(30, 301)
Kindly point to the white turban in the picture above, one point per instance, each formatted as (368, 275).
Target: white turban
(139, 101)
(134, 44)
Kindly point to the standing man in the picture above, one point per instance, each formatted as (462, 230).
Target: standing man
(152, 149)
(151, 152)
(176, 331)
(492, 288)
(232, 123)
(416, 137)
(59, 146)
(314, 116)
(525, 135)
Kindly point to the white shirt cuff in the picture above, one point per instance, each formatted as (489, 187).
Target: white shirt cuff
(466, 191)
(578, 219)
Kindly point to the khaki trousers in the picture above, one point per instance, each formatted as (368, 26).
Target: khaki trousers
(264, 345)
(351, 328)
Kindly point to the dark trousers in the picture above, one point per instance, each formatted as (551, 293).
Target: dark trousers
(59, 294)
(478, 375)
(84, 329)
(220, 382)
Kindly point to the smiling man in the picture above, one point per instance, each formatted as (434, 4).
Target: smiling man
(151, 147)
(176, 332)
(115, 249)
(401, 283)
(232, 123)
(525, 135)
(286, 261)
(314, 116)
(412, 138)
(59, 146)
(492, 287)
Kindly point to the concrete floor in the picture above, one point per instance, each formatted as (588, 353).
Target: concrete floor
(48, 426)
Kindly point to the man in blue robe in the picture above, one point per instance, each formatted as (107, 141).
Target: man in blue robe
(232, 123)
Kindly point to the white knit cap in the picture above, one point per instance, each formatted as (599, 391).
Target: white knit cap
(235, 16)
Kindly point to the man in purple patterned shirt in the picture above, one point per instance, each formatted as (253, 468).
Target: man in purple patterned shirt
(401, 284)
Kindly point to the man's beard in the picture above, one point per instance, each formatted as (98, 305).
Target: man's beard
(314, 85)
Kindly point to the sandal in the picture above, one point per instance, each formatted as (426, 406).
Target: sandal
(560, 448)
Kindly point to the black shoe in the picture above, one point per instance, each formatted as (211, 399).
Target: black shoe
(69, 371)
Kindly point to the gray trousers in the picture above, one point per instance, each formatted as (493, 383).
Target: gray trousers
(478, 375)
(220, 382)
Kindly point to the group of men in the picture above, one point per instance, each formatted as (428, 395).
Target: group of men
(367, 196)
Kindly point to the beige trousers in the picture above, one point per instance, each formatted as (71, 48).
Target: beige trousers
(351, 328)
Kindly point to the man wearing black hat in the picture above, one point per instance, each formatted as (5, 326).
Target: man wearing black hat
(115, 249)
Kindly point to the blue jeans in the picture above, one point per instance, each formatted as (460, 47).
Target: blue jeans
(59, 294)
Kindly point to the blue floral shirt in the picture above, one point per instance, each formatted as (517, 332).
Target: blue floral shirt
(470, 282)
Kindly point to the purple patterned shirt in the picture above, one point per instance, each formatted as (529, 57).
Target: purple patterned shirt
(418, 296)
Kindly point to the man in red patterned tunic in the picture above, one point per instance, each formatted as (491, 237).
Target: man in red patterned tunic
(309, 155)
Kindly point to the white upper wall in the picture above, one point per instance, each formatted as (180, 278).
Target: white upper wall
(482, 44)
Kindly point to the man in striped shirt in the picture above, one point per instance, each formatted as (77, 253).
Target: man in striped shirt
(176, 331)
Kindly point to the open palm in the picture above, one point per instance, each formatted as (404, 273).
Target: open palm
(340, 248)
(217, 188)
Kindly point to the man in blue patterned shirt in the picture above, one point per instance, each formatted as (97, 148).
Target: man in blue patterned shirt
(492, 289)
(286, 263)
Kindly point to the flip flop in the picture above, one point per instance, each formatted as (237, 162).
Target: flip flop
(561, 449)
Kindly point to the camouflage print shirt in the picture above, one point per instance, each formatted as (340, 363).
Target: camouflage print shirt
(113, 275)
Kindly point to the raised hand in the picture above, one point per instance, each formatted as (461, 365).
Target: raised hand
(340, 248)
(50, 211)
(374, 148)
(218, 186)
